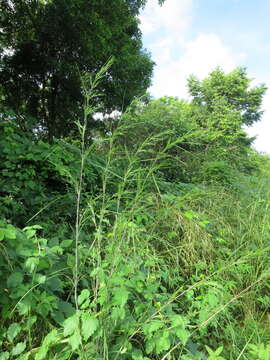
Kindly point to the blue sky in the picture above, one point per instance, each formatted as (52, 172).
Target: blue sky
(195, 36)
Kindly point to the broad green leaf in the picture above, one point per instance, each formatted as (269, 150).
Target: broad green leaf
(212, 299)
(31, 230)
(25, 356)
(150, 345)
(18, 349)
(66, 308)
(37, 227)
(209, 350)
(137, 354)
(118, 313)
(203, 315)
(13, 330)
(71, 324)
(178, 320)
(4, 355)
(219, 350)
(66, 243)
(30, 321)
(24, 307)
(163, 342)
(152, 327)
(120, 297)
(31, 263)
(183, 335)
(75, 340)
(15, 279)
(42, 352)
(84, 295)
(89, 325)
(30, 233)
(85, 305)
(51, 338)
(10, 233)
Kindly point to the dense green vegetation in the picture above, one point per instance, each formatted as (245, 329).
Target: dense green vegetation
(146, 236)
(46, 44)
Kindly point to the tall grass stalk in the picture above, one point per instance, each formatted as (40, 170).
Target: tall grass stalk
(89, 87)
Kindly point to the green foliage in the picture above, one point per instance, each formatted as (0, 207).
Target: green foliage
(202, 140)
(231, 90)
(149, 243)
(36, 176)
(215, 355)
(52, 42)
(259, 352)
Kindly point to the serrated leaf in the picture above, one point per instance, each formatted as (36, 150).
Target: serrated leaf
(183, 335)
(71, 324)
(178, 320)
(24, 307)
(18, 349)
(75, 340)
(13, 330)
(152, 327)
(163, 342)
(150, 345)
(84, 295)
(89, 325)
(15, 279)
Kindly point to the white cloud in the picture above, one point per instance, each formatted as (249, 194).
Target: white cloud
(165, 30)
(172, 16)
(199, 57)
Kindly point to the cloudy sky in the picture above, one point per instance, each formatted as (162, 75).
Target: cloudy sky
(194, 36)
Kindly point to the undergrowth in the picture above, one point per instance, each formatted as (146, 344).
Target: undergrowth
(121, 263)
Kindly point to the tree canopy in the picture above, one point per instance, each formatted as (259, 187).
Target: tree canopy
(46, 46)
(232, 90)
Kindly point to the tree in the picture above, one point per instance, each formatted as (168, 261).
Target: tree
(46, 45)
(204, 138)
(231, 90)
(222, 105)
